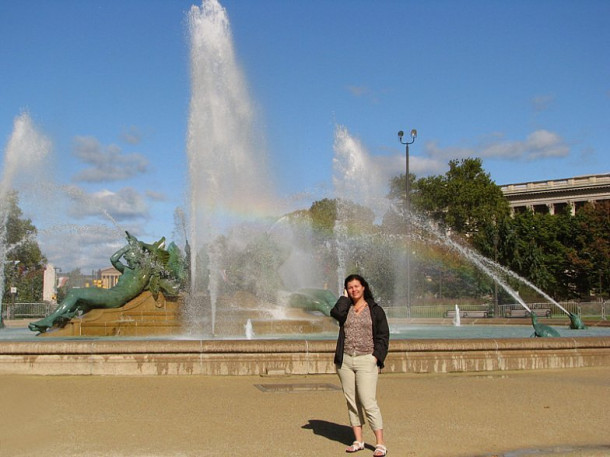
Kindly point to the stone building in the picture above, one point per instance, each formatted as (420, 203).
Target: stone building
(557, 195)
(109, 277)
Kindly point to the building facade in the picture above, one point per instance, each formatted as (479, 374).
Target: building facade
(109, 277)
(558, 195)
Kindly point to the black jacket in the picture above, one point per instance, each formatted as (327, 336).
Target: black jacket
(381, 330)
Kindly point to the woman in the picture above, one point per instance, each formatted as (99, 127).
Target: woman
(361, 350)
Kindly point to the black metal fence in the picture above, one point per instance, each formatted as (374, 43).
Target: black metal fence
(598, 309)
(26, 310)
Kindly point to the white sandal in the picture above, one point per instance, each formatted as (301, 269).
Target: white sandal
(380, 450)
(355, 447)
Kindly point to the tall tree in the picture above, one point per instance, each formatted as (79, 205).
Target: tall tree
(24, 265)
(464, 201)
(590, 256)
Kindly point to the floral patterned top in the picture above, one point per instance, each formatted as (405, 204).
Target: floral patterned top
(358, 333)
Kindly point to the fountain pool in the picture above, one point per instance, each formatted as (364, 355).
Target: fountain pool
(398, 331)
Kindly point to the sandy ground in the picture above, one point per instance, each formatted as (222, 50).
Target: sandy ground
(559, 413)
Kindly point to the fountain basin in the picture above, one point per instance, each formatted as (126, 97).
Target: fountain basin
(142, 316)
(291, 357)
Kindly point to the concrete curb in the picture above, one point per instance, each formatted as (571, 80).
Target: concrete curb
(293, 357)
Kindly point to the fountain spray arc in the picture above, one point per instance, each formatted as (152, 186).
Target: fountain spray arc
(575, 321)
(228, 177)
(25, 150)
(491, 269)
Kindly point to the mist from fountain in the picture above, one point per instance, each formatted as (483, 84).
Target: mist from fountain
(468, 254)
(457, 319)
(575, 320)
(249, 330)
(228, 177)
(356, 178)
(24, 158)
(227, 161)
(514, 275)
(486, 264)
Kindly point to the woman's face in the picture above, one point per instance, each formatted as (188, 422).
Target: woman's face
(355, 290)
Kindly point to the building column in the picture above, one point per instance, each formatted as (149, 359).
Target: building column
(572, 207)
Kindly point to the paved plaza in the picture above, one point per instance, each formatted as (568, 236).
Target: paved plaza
(556, 413)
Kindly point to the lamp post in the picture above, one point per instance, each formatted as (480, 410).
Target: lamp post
(413, 135)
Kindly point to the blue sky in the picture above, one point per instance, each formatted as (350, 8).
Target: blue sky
(525, 85)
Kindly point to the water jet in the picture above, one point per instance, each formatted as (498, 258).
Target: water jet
(232, 218)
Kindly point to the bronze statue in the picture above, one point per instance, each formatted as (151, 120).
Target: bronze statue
(576, 322)
(542, 330)
(145, 268)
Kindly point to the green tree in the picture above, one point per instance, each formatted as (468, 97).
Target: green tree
(589, 257)
(531, 247)
(356, 220)
(464, 201)
(566, 256)
(323, 215)
(24, 266)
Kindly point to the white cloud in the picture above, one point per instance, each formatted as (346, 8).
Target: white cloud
(432, 150)
(389, 167)
(539, 144)
(423, 166)
(106, 164)
(542, 143)
(156, 196)
(87, 247)
(124, 204)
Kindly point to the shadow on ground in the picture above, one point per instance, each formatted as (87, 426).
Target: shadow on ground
(335, 432)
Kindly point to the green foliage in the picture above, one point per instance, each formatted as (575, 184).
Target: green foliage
(590, 254)
(530, 247)
(465, 200)
(566, 256)
(398, 187)
(323, 215)
(24, 267)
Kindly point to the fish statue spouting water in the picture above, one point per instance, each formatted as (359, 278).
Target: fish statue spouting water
(543, 331)
(576, 322)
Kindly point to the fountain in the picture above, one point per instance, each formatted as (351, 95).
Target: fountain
(248, 329)
(148, 267)
(229, 183)
(25, 154)
(457, 319)
(253, 276)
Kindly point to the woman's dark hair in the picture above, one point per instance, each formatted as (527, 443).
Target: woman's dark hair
(368, 295)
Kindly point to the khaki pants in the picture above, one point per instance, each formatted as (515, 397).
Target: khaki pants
(358, 375)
